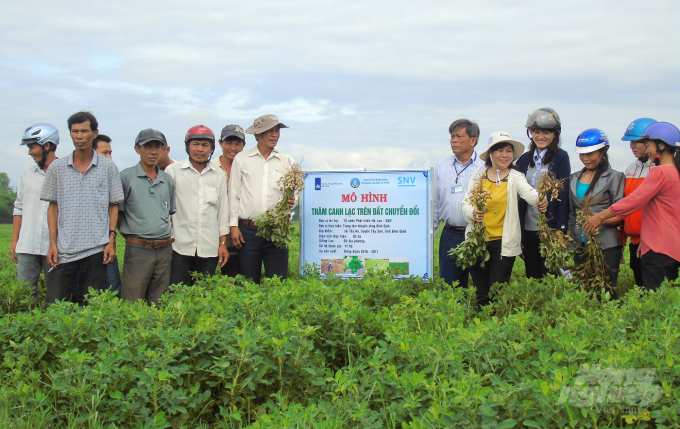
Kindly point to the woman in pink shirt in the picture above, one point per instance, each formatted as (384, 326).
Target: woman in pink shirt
(659, 198)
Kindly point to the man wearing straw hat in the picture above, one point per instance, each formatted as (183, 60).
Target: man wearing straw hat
(253, 190)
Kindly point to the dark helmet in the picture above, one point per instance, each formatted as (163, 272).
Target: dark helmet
(544, 118)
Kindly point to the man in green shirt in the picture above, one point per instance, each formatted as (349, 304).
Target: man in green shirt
(145, 222)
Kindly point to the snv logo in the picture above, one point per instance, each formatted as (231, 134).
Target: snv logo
(317, 183)
(406, 181)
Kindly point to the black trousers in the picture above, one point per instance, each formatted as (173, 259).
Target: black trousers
(635, 263)
(657, 267)
(233, 266)
(255, 251)
(534, 263)
(181, 267)
(612, 257)
(496, 270)
(87, 272)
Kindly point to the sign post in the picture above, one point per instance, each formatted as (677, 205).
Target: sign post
(355, 221)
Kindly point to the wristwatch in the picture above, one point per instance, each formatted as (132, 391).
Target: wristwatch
(223, 243)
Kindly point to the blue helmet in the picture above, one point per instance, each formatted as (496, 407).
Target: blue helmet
(41, 134)
(591, 140)
(635, 128)
(664, 132)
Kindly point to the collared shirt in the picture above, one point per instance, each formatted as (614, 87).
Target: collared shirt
(34, 236)
(449, 175)
(538, 169)
(202, 214)
(83, 199)
(252, 186)
(216, 162)
(148, 204)
(534, 176)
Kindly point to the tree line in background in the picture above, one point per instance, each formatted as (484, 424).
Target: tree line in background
(7, 197)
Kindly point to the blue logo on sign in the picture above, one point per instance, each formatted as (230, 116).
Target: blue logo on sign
(317, 183)
(406, 181)
(354, 182)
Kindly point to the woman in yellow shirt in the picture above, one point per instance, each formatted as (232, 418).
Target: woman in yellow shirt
(505, 184)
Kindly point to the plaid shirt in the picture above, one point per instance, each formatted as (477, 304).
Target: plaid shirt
(83, 201)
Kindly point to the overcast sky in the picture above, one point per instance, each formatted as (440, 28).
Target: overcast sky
(370, 84)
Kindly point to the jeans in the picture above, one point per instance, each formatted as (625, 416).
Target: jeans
(113, 280)
(28, 270)
(182, 266)
(256, 251)
(448, 268)
(497, 269)
(657, 267)
(87, 272)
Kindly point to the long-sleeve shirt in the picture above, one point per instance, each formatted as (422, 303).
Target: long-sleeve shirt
(253, 187)
(34, 236)
(451, 178)
(202, 205)
(659, 198)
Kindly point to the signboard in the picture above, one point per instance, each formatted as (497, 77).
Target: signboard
(354, 221)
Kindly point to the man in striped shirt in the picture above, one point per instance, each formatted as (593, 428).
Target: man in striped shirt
(451, 177)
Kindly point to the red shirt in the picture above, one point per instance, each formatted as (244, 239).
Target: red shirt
(659, 198)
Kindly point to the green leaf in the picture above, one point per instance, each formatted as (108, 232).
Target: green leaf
(507, 424)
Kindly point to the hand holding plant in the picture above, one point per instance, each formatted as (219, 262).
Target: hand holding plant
(591, 275)
(274, 225)
(473, 249)
(554, 244)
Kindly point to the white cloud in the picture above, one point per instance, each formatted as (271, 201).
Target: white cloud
(370, 84)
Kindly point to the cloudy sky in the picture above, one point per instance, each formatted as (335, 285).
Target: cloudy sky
(370, 84)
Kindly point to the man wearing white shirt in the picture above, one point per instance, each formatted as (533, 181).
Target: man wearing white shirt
(451, 177)
(201, 223)
(252, 191)
(30, 232)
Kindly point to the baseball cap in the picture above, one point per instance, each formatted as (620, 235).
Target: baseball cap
(149, 135)
(232, 131)
(264, 123)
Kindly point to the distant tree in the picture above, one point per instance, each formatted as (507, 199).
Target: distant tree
(7, 197)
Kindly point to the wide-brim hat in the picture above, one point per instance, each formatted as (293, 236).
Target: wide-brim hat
(264, 123)
(503, 137)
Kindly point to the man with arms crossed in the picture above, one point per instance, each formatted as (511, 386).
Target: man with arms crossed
(145, 222)
(252, 191)
(451, 177)
(30, 233)
(201, 223)
(84, 191)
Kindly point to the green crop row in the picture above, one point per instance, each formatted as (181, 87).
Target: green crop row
(345, 354)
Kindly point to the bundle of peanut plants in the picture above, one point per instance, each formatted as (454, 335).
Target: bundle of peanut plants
(554, 244)
(274, 225)
(473, 249)
(591, 275)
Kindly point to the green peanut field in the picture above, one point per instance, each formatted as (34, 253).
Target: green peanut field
(326, 353)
